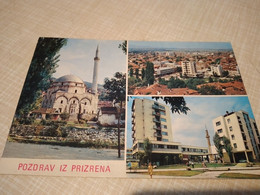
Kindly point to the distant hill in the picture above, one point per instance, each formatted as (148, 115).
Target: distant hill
(89, 85)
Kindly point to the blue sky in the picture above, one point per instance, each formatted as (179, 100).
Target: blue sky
(77, 58)
(190, 129)
(180, 45)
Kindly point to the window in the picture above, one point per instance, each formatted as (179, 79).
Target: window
(61, 101)
(162, 113)
(218, 123)
(232, 137)
(165, 140)
(73, 101)
(60, 110)
(230, 128)
(160, 146)
(220, 130)
(162, 107)
(164, 133)
(76, 91)
(164, 126)
(163, 119)
(235, 145)
(172, 147)
(85, 103)
(228, 120)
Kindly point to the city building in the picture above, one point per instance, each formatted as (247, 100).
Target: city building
(69, 94)
(152, 120)
(216, 69)
(243, 134)
(189, 68)
(165, 70)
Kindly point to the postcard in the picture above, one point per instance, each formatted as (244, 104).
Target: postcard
(134, 109)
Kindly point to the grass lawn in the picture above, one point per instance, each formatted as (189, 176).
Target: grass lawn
(182, 166)
(239, 176)
(176, 173)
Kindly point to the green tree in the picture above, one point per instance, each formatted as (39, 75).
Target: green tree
(175, 83)
(227, 146)
(116, 90)
(143, 73)
(43, 65)
(123, 46)
(225, 73)
(140, 156)
(218, 145)
(210, 90)
(148, 149)
(131, 72)
(137, 73)
(149, 73)
(193, 82)
(178, 69)
(210, 80)
(177, 104)
(162, 81)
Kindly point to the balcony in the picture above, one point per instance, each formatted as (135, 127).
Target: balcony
(157, 135)
(156, 121)
(157, 128)
(158, 107)
(156, 113)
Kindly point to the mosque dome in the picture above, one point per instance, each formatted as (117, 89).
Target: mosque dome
(69, 78)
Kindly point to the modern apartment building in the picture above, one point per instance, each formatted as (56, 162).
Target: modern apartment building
(189, 68)
(152, 120)
(242, 132)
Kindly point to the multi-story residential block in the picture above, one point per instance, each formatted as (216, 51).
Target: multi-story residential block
(242, 132)
(152, 120)
(189, 68)
(216, 69)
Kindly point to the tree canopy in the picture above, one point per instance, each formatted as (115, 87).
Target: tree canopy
(210, 90)
(149, 73)
(116, 91)
(123, 46)
(177, 104)
(227, 146)
(148, 149)
(43, 65)
(218, 145)
(116, 87)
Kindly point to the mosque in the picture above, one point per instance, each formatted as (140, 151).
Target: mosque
(69, 94)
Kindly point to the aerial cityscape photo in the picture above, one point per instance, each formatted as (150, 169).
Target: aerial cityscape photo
(183, 68)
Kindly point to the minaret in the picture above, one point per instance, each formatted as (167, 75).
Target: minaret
(95, 72)
(209, 146)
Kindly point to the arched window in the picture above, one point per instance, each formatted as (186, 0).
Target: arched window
(76, 91)
(85, 103)
(61, 101)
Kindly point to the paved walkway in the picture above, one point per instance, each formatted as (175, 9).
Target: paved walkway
(209, 173)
